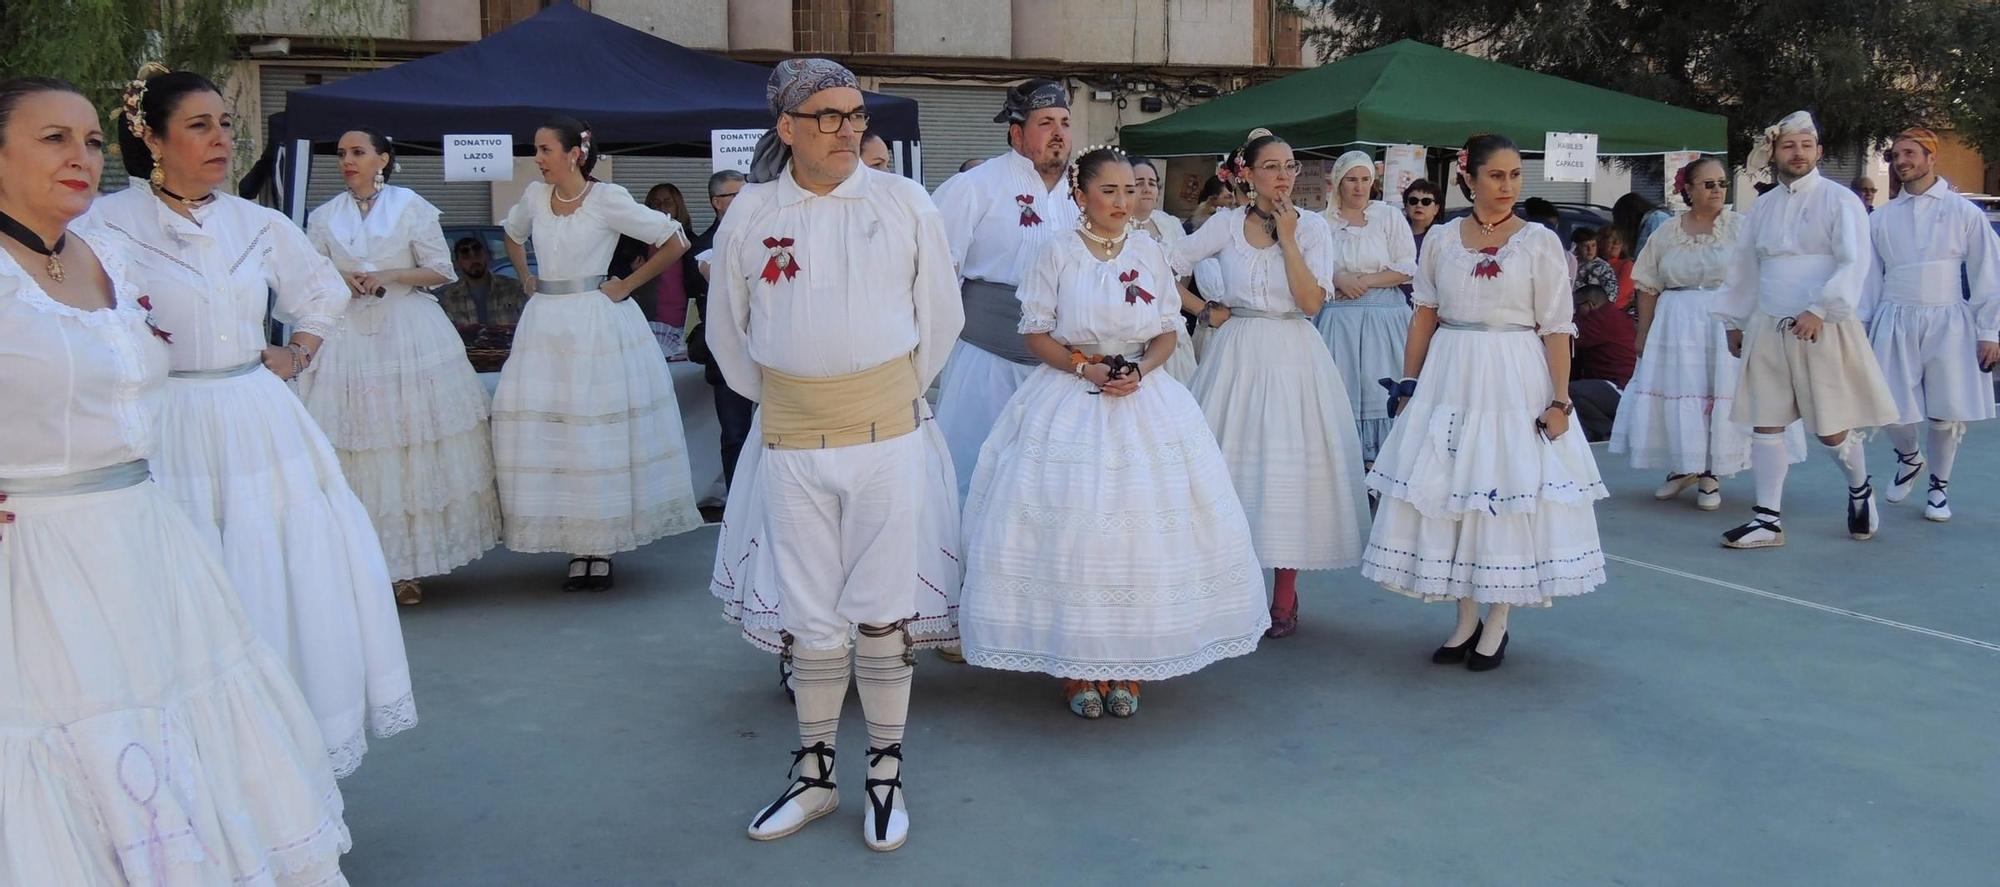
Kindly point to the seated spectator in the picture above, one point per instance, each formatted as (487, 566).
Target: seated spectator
(1592, 269)
(1606, 352)
(479, 296)
(1615, 250)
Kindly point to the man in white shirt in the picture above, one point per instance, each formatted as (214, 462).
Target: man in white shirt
(996, 215)
(1937, 349)
(833, 304)
(1792, 292)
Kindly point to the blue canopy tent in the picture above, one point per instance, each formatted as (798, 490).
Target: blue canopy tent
(639, 93)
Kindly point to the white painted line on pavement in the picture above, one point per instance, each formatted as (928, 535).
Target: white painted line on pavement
(1772, 595)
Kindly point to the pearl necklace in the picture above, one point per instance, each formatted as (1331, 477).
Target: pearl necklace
(579, 195)
(1105, 242)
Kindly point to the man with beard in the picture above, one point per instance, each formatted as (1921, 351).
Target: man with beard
(996, 215)
(1936, 349)
(1792, 292)
(833, 305)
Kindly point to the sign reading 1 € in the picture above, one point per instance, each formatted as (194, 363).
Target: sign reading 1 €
(1569, 157)
(487, 158)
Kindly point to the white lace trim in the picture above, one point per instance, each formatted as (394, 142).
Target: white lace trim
(383, 721)
(1435, 579)
(1157, 670)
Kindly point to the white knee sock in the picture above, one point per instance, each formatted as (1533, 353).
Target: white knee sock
(819, 680)
(1769, 464)
(1852, 457)
(1944, 438)
(883, 668)
(1903, 438)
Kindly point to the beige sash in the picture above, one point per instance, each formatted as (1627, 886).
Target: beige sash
(814, 413)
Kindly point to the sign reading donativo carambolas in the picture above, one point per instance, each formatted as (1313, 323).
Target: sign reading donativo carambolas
(485, 158)
(1570, 157)
(732, 148)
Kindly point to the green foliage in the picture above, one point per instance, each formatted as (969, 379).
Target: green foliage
(1865, 68)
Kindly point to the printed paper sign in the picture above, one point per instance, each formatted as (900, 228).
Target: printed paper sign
(1570, 157)
(488, 158)
(1401, 165)
(732, 148)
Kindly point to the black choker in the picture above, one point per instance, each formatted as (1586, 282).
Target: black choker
(189, 202)
(33, 242)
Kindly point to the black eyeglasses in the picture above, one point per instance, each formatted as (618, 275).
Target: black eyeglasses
(1418, 201)
(1713, 184)
(830, 120)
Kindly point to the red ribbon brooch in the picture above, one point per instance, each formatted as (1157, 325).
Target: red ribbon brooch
(146, 302)
(1133, 291)
(1027, 204)
(781, 262)
(1488, 267)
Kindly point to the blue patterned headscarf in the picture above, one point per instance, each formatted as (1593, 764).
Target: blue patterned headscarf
(1031, 96)
(792, 82)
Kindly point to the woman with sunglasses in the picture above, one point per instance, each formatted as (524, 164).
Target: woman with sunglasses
(1367, 321)
(1164, 228)
(1422, 201)
(1267, 384)
(587, 438)
(394, 390)
(1675, 411)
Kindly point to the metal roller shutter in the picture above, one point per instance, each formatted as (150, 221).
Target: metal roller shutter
(1532, 185)
(957, 124)
(1843, 167)
(1649, 179)
(461, 203)
(690, 174)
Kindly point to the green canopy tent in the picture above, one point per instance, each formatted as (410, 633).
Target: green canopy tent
(1411, 93)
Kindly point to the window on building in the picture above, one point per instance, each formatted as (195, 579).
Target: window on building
(841, 27)
(1279, 24)
(497, 15)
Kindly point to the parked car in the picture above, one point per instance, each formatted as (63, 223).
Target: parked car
(1574, 216)
(496, 247)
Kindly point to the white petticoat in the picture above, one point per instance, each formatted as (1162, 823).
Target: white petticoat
(587, 440)
(146, 735)
(1103, 538)
(759, 607)
(244, 459)
(1929, 358)
(1475, 502)
(1674, 414)
(1276, 403)
(1366, 336)
(973, 388)
(406, 414)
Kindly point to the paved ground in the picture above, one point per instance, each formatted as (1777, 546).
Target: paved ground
(1776, 717)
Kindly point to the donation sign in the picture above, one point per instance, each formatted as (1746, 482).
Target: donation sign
(1570, 157)
(732, 148)
(488, 158)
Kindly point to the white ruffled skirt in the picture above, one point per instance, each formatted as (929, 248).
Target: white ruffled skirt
(744, 582)
(973, 388)
(1366, 336)
(1278, 407)
(407, 416)
(1103, 538)
(246, 462)
(1675, 410)
(1475, 501)
(146, 735)
(587, 440)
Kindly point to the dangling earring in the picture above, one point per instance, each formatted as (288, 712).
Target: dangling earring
(158, 177)
(380, 178)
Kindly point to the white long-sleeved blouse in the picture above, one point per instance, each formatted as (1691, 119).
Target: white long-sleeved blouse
(1523, 282)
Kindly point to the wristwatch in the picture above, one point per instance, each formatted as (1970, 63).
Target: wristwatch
(1566, 407)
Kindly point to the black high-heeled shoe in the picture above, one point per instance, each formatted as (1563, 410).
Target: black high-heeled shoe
(1477, 661)
(1456, 655)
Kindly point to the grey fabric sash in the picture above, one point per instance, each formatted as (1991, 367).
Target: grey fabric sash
(993, 321)
(573, 287)
(1265, 315)
(1486, 327)
(224, 373)
(96, 480)
(1131, 350)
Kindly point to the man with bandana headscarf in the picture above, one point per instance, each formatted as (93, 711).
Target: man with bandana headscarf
(1937, 349)
(833, 303)
(996, 215)
(1789, 305)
